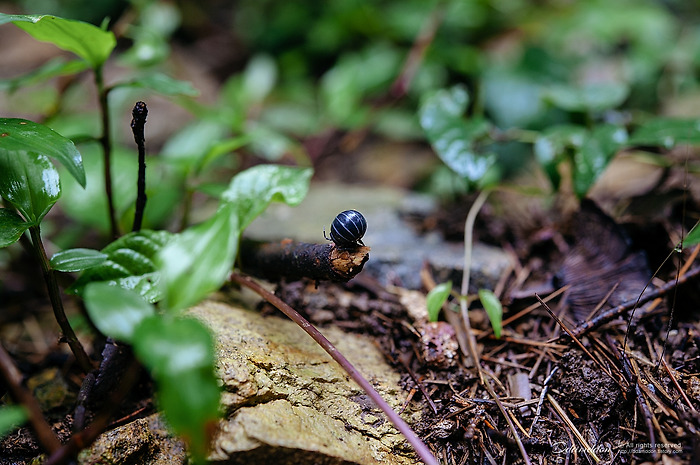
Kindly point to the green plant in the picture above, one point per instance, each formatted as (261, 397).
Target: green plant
(176, 270)
(181, 269)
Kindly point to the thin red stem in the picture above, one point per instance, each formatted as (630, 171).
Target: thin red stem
(420, 448)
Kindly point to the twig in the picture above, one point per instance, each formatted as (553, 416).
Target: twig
(292, 314)
(532, 307)
(545, 387)
(105, 141)
(511, 426)
(630, 304)
(463, 304)
(641, 402)
(295, 260)
(13, 380)
(560, 411)
(419, 384)
(677, 386)
(138, 122)
(56, 302)
(605, 369)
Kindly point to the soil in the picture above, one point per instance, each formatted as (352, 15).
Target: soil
(625, 403)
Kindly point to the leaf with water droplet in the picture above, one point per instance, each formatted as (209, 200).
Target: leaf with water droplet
(89, 42)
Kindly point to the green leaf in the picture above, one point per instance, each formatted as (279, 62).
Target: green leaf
(116, 312)
(436, 298)
(593, 97)
(89, 42)
(219, 148)
(180, 355)
(591, 160)
(551, 146)
(163, 84)
(77, 259)
(23, 135)
(190, 146)
(130, 264)
(693, 236)
(29, 182)
(198, 260)
(12, 226)
(252, 190)
(493, 308)
(453, 138)
(667, 132)
(53, 68)
(11, 417)
(259, 78)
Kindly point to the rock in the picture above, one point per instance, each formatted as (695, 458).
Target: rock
(286, 401)
(51, 389)
(143, 441)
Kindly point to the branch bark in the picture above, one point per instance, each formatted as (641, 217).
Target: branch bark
(296, 260)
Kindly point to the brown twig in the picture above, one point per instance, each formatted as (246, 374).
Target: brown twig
(630, 304)
(292, 314)
(605, 369)
(641, 402)
(295, 260)
(509, 421)
(13, 380)
(672, 375)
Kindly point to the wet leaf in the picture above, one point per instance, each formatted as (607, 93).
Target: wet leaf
(29, 182)
(552, 145)
(24, 135)
(180, 355)
(667, 132)
(453, 137)
(12, 226)
(130, 264)
(593, 157)
(77, 259)
(254, 189)
(494, 310)
(198, 260)
(436, 298)
(116, 311)
(89, 42)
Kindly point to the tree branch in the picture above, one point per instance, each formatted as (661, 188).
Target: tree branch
(296, 260)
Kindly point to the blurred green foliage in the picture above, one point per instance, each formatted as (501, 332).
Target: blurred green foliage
(291, 70)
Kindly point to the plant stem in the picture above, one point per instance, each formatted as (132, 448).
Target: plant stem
(463, 303)
(106, 148)
(138, 122)
(293, 315)
(55, 297)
